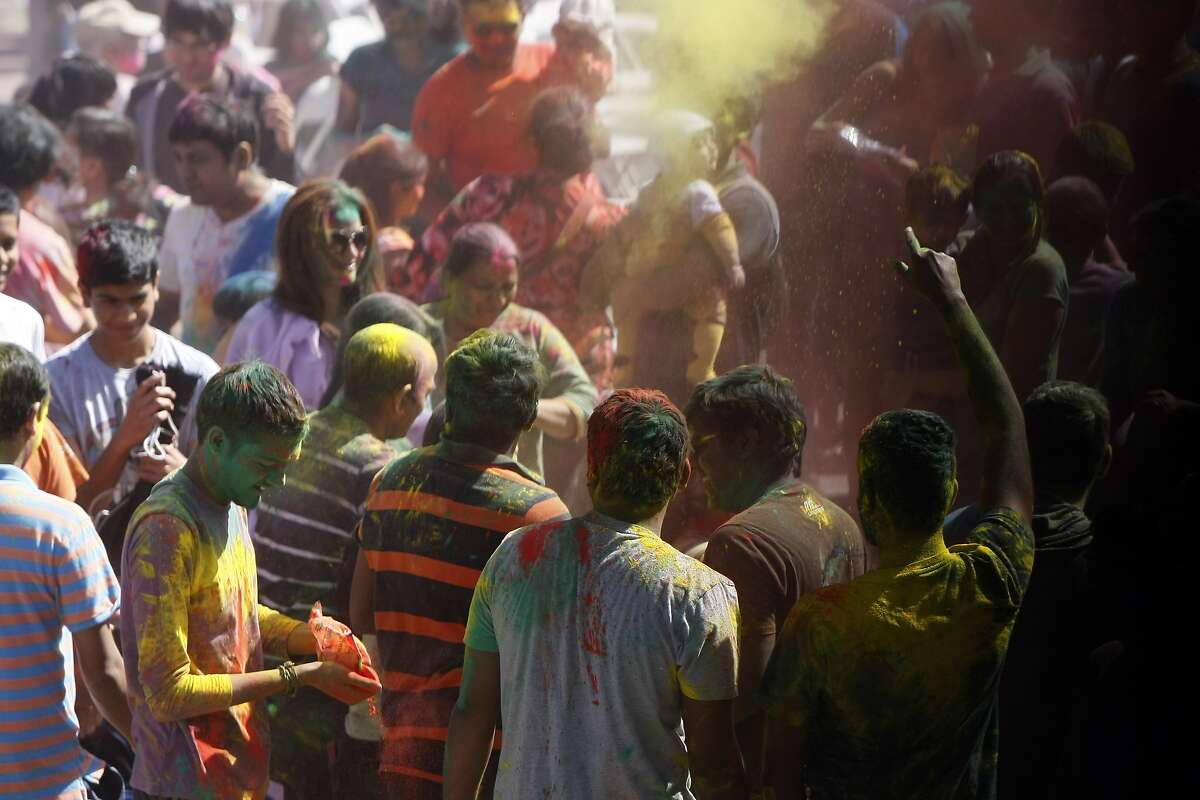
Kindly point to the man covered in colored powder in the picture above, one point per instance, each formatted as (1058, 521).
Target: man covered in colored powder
(676, 249)
(597, 643)
(785, 540)
(889, 684)
(193, 631)
(304, 531)
(433, 518)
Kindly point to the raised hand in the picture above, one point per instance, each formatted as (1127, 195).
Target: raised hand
(933, 274)
(150, 405)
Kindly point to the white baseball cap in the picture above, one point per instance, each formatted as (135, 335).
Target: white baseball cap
(101, 17)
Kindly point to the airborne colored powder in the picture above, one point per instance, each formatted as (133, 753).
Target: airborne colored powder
(709, 50)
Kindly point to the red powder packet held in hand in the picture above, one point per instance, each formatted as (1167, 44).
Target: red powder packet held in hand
(336, 643)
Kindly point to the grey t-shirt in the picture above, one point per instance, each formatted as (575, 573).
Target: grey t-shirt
(601, 628)
(90, 398)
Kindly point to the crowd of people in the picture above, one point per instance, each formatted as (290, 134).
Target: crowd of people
(443, 472)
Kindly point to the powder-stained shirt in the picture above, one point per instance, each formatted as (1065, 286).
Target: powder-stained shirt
(191, 619)
(20, 324)
(55, 580)
(433, 519)
(45, 277)
(565, 375)
(199, 252)
(557, 226)
(601, 629)
(896, 675)
(791, 542)
(477, 121)
(302, 530)
(90, 398)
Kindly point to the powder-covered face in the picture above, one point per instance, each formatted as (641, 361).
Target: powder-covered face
(346, 242)
(193, 57)
(1008, 210)
(480, 294)
(492, 29)
(9, 250)
(245, 465)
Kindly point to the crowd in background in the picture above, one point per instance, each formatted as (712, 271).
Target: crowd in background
(233, 247)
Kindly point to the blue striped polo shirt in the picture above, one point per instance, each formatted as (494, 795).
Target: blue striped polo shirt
(54, 578)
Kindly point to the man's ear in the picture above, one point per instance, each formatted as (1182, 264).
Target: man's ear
(243, 156)
(215, 438)
(686, 474)
(30, 425)
(953, 495)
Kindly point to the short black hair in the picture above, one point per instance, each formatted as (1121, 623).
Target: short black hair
(754, 397)
(251, 397)
(212, 19)
(115, 252)
(74, 82)
(1008, 164)
(23, 382)
(9, 202)
(493, 383)
(1076, 215)
(28, 147)
(225, 124)
(637, 452)
(108, 136)
(1067, 427)
(561, 122)
(907, 462)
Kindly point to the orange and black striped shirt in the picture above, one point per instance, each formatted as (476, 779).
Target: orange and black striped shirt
(433, 518)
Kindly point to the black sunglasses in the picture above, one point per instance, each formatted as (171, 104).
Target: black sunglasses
(343, 239)
(485, 29)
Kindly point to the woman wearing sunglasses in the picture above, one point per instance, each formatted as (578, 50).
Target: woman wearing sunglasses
(323, 243)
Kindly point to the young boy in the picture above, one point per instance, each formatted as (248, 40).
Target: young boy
(117, 387)
(193, 631)
(678, 236)
(19, 323)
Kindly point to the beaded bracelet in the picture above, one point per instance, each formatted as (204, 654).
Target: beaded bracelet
(291, 681)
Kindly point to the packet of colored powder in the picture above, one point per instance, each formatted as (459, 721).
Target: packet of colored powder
(336, 643)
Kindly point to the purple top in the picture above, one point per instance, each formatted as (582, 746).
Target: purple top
(296, 345)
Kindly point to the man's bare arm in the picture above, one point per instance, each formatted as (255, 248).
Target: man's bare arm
(472, 726)
(1007, 480)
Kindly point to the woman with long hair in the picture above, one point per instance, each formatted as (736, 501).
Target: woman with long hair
(325, 238)
(301, 44)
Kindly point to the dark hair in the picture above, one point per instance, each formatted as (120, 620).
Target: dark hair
(379, 162)
(754, 397)
(9, 202)
(1095, 150)
(74, 82)
(28, 147)
(1162, 251)
(478, 241)
(1008, 164)
(950, 23)
(372, 310)
(637, 449)
(937, 194)
(113, 252)
(521, 4)
(108, 136)
(200, 118)
(561, 121)
(23, 382)
(1076, 215)
(211, 19)
(251, 397)
(907, 461)
(300, 240)
(493, 383)
(1067, 426)
(293, 12)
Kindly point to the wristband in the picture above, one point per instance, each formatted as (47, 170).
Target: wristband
(291, 681)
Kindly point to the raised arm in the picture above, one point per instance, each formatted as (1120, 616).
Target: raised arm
(1006, 475)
